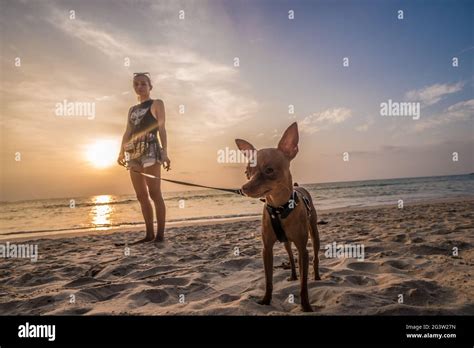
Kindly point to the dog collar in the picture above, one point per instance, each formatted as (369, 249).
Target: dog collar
(281, 212)
(284, 210)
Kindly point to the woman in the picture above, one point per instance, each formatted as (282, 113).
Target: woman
(141, 152)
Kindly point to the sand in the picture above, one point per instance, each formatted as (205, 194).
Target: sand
(199, 271)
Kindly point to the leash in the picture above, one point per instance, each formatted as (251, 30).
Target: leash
(235, 191)
(275, 212)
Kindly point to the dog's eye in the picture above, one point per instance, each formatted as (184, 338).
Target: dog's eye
(268, 170)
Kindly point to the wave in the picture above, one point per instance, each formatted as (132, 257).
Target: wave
(132, 223)
(65, 204)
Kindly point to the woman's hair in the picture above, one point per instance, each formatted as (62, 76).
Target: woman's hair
(145, 74)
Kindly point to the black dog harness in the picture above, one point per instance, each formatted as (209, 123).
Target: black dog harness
(282, 212)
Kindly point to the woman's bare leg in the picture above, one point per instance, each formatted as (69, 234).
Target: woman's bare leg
(154, 188)
(139, 184)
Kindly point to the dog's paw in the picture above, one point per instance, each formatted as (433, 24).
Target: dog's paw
(307, 308)
(292, 277)
(317, 277)
(265, 301)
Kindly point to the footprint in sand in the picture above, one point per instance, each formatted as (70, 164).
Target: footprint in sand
(399, 238)
(149, 296)
(32, 306)
(359, 280)
(34, 279)
(417, 240)
(370, 267)
(169, 281)
(83, 281)
(399, 264)
(103, 293)
(72, 311)
(236, 264)
(419, 292)
(226, 298)
(425, 249)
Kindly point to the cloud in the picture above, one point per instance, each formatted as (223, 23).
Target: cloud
(90, 35)
(387, 151)
(213, 93)
(457, 112)
(461, 110)
(430, 95)
(365, 126)
(466, 49)
(324, 119)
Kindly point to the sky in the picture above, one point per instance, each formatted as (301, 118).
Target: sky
(49, 55)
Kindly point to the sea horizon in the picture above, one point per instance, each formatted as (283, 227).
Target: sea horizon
(201, 189)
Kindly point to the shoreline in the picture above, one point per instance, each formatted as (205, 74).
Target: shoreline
(206, 222)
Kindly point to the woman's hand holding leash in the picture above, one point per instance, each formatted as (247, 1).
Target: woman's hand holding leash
(121, 159)
(166, 161)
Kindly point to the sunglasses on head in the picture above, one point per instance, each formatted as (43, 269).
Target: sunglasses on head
(141, 73)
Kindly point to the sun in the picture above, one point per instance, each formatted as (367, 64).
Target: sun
(102, 153)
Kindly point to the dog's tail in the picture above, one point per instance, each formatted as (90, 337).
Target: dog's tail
(296, 184)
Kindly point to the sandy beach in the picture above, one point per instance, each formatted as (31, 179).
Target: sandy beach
(216, 269)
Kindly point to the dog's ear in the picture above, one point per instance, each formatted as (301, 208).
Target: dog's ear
(247, 149)
(289, 141)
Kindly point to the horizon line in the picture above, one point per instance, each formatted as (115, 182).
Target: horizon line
(199, 189)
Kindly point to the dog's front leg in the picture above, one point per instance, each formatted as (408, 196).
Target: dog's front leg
(267, 254)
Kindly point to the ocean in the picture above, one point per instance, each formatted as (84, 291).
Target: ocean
(106, 212)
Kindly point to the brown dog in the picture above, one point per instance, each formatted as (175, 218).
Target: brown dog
(289, 212)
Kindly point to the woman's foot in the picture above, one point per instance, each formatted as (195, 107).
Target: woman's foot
(144, 240)
(159, 238)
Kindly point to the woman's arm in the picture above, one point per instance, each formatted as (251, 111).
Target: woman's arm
(159, 113)
(128, 130)
(125, 138)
